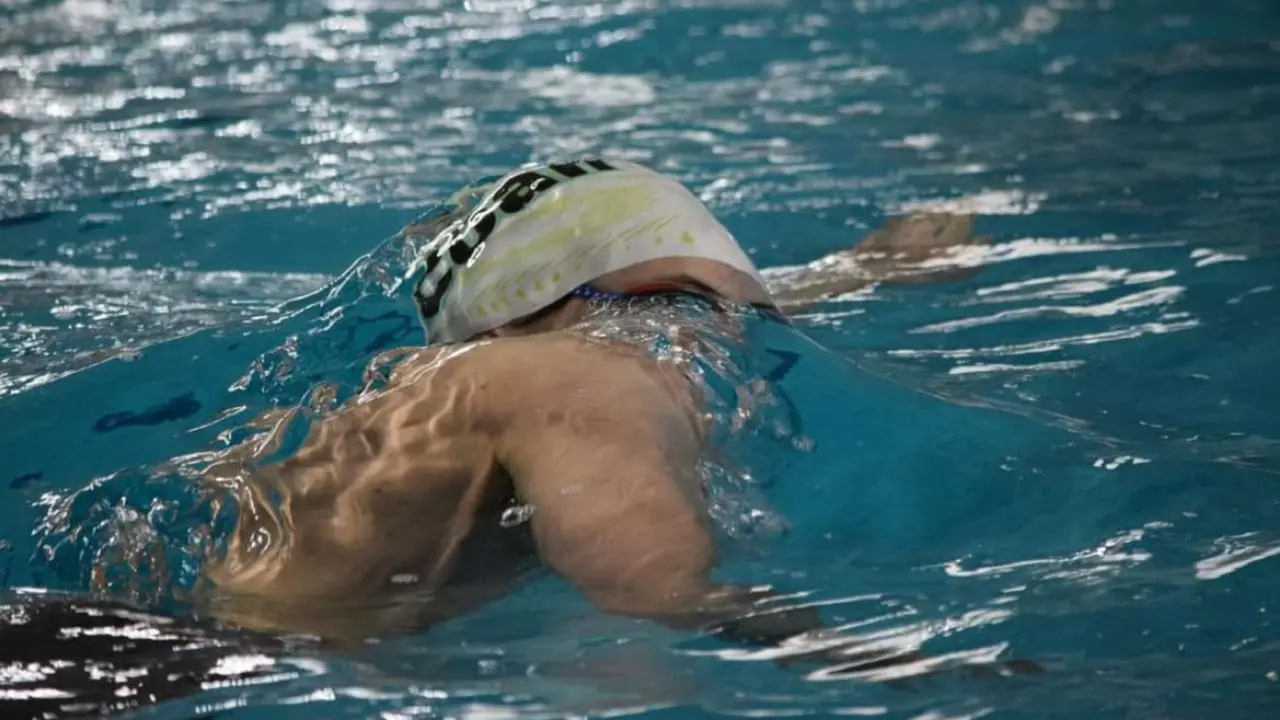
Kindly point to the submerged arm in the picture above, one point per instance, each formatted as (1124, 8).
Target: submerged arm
(612, 475)
(608, 459)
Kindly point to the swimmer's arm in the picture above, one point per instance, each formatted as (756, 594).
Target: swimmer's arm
(909, 249)
(614, 513)
(608, 482)
(612, 475)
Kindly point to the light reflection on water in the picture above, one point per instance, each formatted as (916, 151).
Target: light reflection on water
(176, 173)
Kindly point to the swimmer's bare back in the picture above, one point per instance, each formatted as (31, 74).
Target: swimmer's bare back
(600, 440)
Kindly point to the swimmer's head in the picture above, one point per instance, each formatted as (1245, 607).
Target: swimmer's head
(536, 235)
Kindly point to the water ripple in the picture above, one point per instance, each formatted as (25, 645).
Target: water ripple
(178, 173)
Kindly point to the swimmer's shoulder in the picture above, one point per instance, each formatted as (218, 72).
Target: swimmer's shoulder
(508, 391)
(601, 383)
(512, 358)
(503, 377)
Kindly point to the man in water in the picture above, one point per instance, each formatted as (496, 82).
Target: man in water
(517, 400)
(389, 518)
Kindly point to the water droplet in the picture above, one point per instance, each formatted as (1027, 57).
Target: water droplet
(516, 515)
(96, 220)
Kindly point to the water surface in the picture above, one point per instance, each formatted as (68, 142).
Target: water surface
(1069, 455)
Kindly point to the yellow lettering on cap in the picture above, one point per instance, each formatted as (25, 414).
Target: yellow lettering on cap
(686, 238)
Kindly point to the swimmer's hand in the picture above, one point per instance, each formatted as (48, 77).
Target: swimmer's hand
(918, 248)
(908, 249)
(795, 638)
(895, 664)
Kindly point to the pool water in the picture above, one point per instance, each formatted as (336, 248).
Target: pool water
(1070, 455)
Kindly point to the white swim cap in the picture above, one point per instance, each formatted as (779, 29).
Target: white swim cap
(539, 233)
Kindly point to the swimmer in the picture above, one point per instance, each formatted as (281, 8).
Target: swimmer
(400, 495)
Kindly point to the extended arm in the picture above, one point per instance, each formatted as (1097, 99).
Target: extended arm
(905, 249)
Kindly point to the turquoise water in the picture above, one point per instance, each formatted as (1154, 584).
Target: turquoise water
(1069, 455)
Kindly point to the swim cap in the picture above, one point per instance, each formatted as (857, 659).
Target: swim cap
(538, 234)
